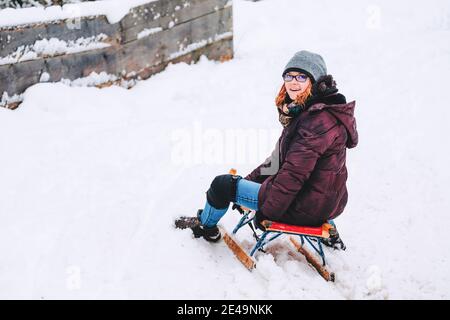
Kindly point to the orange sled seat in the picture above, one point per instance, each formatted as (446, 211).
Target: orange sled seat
(324, 231)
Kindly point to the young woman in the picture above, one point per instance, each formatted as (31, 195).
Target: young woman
(303, 182)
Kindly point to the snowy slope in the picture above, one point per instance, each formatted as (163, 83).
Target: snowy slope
(91, 179)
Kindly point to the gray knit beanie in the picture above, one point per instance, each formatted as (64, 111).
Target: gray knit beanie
(308, 62)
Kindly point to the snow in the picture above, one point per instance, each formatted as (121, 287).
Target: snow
(114, 10)
(45, 77)
(6, 99)
(146, 32)
(374, 283)
(94, 79)
(53, 47)
(90, 186)
(200, 44)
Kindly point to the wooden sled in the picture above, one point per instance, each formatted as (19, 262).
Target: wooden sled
(273, 230)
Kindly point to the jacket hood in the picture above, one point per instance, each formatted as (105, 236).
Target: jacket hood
(344, 114)
(325, 97)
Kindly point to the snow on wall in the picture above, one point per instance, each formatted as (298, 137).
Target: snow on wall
(94, 79)
(53, 47)
(114, 10)
(6, 99)
(197, 45)
(98, 79)
(146, 32)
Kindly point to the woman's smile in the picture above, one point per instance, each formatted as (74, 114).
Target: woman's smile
(293, 86)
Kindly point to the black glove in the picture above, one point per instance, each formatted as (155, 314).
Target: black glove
(238, 208)
(259, 217)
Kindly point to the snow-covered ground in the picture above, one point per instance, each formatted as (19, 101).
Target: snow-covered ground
(91, 180)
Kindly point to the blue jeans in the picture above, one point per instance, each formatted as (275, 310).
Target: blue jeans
(246, 195)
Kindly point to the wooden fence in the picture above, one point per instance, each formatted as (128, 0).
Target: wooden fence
(143, 43)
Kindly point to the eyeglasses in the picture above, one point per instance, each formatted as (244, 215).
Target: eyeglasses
(299, 77)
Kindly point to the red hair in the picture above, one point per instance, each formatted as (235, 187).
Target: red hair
(300, 99)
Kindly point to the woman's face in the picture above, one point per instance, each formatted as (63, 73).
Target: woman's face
(293, 86)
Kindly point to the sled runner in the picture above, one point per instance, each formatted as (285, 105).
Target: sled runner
(307, 235)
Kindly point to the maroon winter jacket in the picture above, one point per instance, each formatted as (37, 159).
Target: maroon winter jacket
(310, 185)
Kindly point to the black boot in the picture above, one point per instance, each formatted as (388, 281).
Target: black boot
(211, 234)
